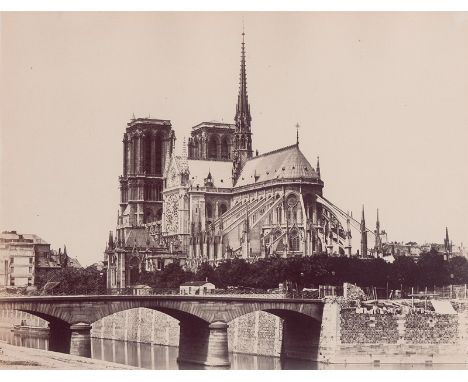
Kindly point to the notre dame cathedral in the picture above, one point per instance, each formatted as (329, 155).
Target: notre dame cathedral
(219, 200)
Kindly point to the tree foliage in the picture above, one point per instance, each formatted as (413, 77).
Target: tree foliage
(73, 281)
(305, 272)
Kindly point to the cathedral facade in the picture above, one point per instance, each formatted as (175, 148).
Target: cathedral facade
(219, 200)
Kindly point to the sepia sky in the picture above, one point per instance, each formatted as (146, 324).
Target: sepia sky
(381, 97)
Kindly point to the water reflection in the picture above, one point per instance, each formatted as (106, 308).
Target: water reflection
(161, 357)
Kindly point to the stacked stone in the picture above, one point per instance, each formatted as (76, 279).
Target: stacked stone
(431, 328)
(368, 328)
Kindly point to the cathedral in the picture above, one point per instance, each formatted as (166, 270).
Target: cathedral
(220, 200)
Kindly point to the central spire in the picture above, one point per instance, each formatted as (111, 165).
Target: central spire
(242, 135)
(243, 117)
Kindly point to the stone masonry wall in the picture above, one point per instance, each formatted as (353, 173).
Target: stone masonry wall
(388, 336)
(9, 318)
(253, 333)
(359, 328)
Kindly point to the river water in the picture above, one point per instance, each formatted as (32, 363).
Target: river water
(159, 357)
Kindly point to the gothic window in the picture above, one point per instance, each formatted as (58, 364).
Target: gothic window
(147, 158)
(225, 149)
(213, 147)
(222, 209)
(294, 240)
(209, 211)
(134, 270)
(280, 246)
(158, 149)
(148, 216)
(295, 243)
(243, 142)
(134, 156)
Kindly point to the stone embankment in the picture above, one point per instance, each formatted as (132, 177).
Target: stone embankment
(21, 358)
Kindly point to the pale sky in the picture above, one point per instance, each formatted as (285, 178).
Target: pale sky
(381, 97)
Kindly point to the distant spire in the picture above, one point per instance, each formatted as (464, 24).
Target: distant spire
(447, 241)
(378, 243)
(297, 133)
(363, 234)
(318, 166)
(243, 117)
(64, 249)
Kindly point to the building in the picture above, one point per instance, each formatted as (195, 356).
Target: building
(196, 287)
(24, 257)
(219, 201)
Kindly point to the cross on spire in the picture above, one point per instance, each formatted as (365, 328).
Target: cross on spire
(297, 133)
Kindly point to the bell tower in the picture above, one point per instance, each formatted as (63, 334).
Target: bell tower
(147, 143)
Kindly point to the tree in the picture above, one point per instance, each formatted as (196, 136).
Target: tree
(206, 272)
(431, 269)
(457, 270)
(233, 272)
(173, 275)
(73, 281)
(404, 271)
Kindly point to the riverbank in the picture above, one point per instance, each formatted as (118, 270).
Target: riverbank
(21, 358)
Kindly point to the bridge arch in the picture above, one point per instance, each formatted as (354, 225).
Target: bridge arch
(301, 331)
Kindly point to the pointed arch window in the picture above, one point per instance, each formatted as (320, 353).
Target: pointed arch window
(213, 147)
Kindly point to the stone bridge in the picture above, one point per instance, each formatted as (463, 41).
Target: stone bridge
(203, 321)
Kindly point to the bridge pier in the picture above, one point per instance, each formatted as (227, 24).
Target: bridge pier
(80, 340)
(203, 343)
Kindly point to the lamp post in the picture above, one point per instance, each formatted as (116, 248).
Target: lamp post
(333, 282)
(302, 283)
(452, 276)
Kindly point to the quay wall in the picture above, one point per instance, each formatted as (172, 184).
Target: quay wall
(382, 336)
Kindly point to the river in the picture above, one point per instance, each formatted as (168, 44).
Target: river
(159, 357)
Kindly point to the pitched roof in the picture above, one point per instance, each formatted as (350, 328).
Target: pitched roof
(221, 172)
(195, 283)
(285, 163)
(13, 235)
(73, 262)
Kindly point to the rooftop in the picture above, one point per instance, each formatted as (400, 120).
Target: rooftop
(284, 163)
(195, 283)
(215, 124)
(221, 172)
(148, 121)
(18, 237)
